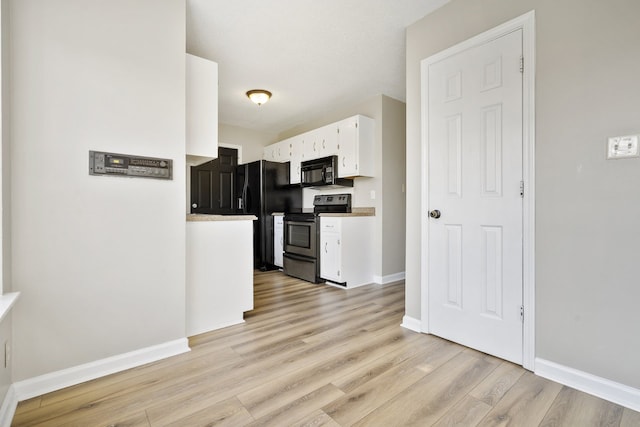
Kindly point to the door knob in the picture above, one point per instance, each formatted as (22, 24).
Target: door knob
(195, 205)
(434, 213)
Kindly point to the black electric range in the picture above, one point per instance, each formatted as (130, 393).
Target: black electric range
(302, 236)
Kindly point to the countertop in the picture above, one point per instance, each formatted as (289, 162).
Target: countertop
(354, 212)
(204, 217)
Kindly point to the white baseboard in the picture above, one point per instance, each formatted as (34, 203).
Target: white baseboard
(411, 324)
(8, 409)
(383, 280)
(53, 381)
(612, 391)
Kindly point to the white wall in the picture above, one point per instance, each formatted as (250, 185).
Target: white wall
(100, 261)
(252, 142)
(5, 154)
(587, 233)
(393, 185)
(6, 330)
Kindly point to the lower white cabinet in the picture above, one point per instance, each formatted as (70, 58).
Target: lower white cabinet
(346, 250)
(278, 240)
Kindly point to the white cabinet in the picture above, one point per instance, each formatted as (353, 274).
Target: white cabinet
(346, 250)
(278, 152)
(278, 240)
(269, 152)
(296, 155)
(328, 140)
(352, 140)
(330, 252)
(356, 147)
(311, 145)
(201, 109)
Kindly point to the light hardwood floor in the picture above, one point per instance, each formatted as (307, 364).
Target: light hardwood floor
(314, 355)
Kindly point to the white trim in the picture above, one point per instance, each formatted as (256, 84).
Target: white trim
(53, 381)
(411, 323)
(603, 388)
(525, 22)
(236, 146)
(389, 278)
(6, 303)
(8, 409)
(529, 202)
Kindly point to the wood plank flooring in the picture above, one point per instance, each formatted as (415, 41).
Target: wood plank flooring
(314, 355)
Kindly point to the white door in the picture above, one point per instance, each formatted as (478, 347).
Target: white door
(475, 246)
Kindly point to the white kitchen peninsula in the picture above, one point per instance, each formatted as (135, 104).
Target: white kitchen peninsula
(219, 271)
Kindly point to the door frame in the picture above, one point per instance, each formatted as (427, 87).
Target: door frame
(526, 23)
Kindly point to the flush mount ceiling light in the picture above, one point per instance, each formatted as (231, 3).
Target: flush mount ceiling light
(259, 96)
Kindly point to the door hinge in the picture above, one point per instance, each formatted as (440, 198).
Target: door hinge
(521, 188)
(522, 63)
(522, 313)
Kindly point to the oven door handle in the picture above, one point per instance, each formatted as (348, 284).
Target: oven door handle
(298, 257)
(303, 222)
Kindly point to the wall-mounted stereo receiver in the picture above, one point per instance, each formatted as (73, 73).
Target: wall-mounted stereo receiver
(113, 164)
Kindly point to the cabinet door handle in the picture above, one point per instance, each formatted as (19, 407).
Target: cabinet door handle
(314, 146)
(281, 241)
(323, 144)
(325, 248)
(343, 161)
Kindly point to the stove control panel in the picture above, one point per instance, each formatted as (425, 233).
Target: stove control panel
(340, 203)
(113, 164)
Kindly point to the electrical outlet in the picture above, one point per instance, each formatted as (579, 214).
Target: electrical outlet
(620, 147)
(373, 194)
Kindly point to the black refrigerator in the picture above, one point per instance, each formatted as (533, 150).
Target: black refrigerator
(262, 187)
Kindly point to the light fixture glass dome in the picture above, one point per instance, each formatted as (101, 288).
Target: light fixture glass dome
(259, 96)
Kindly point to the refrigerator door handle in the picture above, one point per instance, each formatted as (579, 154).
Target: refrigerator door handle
(245, 189)
(247, 199)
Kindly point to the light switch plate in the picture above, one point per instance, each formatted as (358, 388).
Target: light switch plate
(622, 147)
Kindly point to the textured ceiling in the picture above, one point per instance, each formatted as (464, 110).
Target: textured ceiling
(313, 55)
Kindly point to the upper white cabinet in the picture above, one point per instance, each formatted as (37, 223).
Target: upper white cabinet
(352, 140)
(278, 152)
(201, 109)
(311, 145)
(327, 137)
(355, 147)
(296, 156)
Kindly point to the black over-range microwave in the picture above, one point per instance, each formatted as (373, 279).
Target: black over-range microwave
(321, 172)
